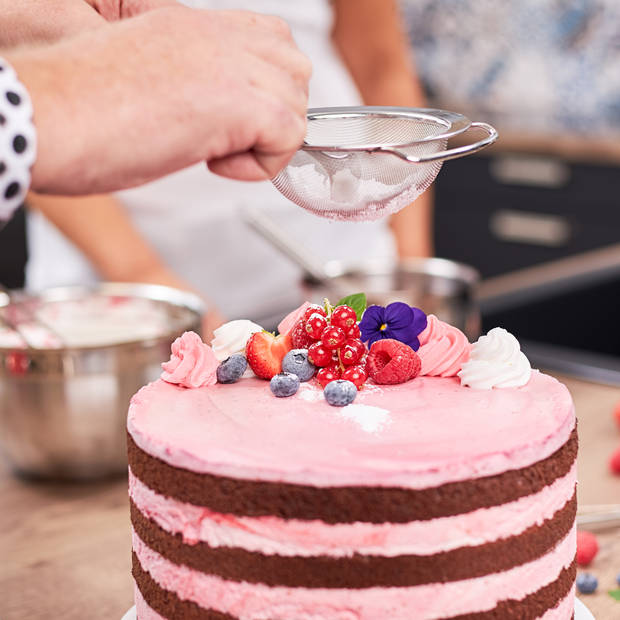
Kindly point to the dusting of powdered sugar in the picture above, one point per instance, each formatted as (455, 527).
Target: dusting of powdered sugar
(310, 393)
(370, 419)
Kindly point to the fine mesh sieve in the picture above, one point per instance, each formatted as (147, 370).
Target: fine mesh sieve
(363, 163)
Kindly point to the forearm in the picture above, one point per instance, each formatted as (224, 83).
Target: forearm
(370, 38)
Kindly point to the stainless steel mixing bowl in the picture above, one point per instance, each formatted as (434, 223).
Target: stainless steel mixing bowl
(63, 410)
(438, 286)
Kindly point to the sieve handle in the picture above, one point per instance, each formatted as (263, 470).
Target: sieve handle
(454, 153)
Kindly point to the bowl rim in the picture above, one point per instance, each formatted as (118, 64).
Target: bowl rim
(154, 292)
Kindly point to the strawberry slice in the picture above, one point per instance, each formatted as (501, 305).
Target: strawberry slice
(265, 352)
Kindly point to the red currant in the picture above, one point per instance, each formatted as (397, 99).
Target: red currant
(319, 355)
(355, 374)
(344, 316)
(352, 351)
(333, 337)
(328, 374)
(315, 325)
(312, 309)
(354, 331)
(300, 338)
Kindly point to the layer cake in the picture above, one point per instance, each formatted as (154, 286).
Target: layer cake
(423, 500)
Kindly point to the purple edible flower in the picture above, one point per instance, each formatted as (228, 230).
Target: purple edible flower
(397, 320)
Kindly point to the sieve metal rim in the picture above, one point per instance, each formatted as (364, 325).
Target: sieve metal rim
(454, 123)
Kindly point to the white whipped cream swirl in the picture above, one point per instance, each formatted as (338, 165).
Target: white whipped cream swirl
(496, 360)
(232, 337)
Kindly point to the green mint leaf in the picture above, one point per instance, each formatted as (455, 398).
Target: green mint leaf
(615, 594)
(357, 302)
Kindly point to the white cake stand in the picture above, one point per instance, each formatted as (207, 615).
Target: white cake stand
(581, 612)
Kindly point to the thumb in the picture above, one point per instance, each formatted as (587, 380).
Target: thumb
(113, 10)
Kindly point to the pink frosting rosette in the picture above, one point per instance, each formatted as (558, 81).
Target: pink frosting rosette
(443, 349)
(192, 363)
(290, 320)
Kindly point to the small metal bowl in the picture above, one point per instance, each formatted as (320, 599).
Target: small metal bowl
(63, 410)
(438, 286)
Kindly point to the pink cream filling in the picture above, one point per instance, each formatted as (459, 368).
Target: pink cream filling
(256, 601)
(563, 611)
(272, 535)
(427, 432)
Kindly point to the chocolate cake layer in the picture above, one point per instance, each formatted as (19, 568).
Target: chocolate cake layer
(348, 504)
(358, 571)
(169, 605)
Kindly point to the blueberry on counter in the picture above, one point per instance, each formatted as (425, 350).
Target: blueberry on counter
(284, 384)
(340, 393)
(232, 368)
(586, 583)
(297, 362)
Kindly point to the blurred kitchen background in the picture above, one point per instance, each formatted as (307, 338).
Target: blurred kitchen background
(536, 215)
(529, 234)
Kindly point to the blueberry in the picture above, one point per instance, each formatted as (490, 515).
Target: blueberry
(284, 384)
(340, 393)
(232, 368)
(618, 579)
(296, 361)
(586, 583)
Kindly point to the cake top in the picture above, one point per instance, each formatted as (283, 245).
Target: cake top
(411, 421)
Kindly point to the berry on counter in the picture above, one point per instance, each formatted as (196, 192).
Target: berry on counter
(333, 337)
(352, 351)
(587, 547)
(328, 374)
(232, 368)
(284, 384)
(618, 579)
(356, 375)
(586, 583)
(340, 393)
(300, 338)
(319, 354)
(265, 352)
(614, 462)
(297, 363)
(344, 316)
(315, 325)
(391, 362)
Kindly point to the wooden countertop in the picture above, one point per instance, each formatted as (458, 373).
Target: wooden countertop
(65, 549)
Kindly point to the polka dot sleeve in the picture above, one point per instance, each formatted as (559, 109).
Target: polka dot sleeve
(17, 141)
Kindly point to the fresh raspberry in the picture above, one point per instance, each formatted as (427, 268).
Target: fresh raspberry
(354, 331)
(391, 362)
(319, 354)
(314, 309)
(343, 316)
(300, 338)
(352, 351)
(328, 374)
(265, 352)
(315, 325)
(356, 375)
(614, 462)
(333, 337)
(587, 547)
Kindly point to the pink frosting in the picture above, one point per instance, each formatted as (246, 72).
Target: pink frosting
(250, 601)
(288, 322)
(415, 435)
(192, 364)
(443, 349)
(272, 535)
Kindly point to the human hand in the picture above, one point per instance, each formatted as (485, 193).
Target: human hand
(113, 10)
(141, 98)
